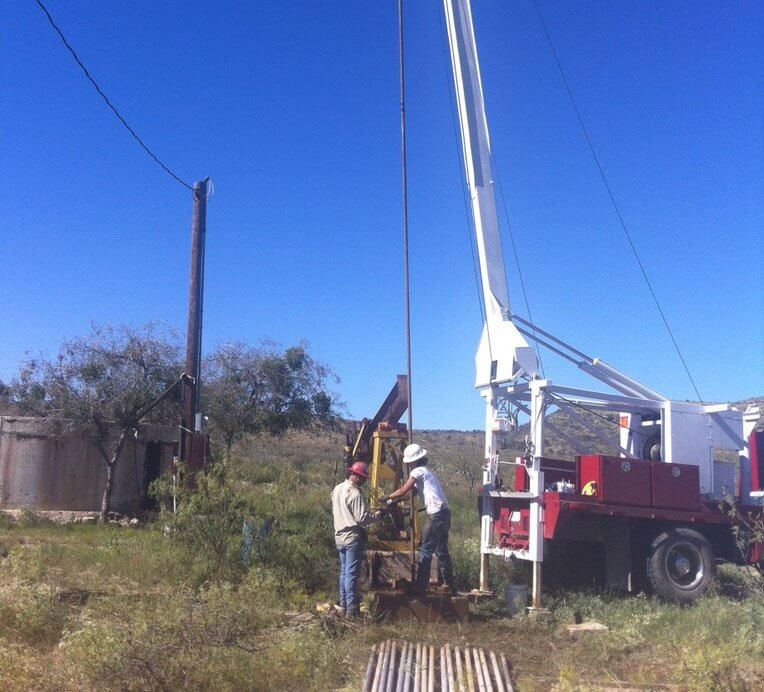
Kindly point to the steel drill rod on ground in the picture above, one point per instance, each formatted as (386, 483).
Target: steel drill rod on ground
(486, 672)
(390, 680)
(409, 679)
(367, 679)
(468, 666)
(443, 679)
(431, 673)
(386, 666)
(478, 670)
(418, 678)
(425, 669)
(459, 669)
(378, 671)
(507, 676)
(496, 672)
(402, 667)
(449, 676)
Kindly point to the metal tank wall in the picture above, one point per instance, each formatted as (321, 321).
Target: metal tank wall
(43, 467)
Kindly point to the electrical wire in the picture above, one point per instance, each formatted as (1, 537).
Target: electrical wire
(519, 270)
(107, 101)
(612, 200)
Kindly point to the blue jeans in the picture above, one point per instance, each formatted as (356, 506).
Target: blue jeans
(351, 557)
(435, 540)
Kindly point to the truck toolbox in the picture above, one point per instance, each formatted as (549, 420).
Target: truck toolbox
(676, 486)
(618, 481)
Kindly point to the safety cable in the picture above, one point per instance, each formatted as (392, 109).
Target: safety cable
(519, 271)
(612, 200)
(555, 395)
(107, 101)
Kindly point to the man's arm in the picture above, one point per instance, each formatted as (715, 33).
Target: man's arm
(357, 507)
(404, 490)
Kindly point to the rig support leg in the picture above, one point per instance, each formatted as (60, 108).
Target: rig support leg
(536, 596)
(484, 572)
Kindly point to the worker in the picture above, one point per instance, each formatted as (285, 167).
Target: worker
(435, 539)
(350, 518)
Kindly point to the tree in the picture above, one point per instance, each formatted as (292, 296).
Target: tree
(103, 381)
(468, 466)
(248, 390)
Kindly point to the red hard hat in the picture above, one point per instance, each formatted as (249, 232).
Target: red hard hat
(359, 469)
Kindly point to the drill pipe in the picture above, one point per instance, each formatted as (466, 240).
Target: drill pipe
(391, 669)
(418, 669)
(385, 666)
(409, 675)
(431, 672)
(378, 671)
(486, 672)
(367, 679)
(449, 668)
(443, 677)
(496, 672)
(470, 675)
(507, 676)
(478, 670)
(459, 669)
(423, 681)
(400, 670)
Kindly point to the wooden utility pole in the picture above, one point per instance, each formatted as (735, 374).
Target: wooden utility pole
(190, 397)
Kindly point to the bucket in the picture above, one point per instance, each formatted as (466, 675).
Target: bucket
(515, 598)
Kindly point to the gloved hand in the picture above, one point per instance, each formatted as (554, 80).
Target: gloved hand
(389, 503)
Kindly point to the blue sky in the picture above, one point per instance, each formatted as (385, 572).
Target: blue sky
(291, 108)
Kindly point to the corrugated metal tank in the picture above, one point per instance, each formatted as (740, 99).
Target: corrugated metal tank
(45, 467)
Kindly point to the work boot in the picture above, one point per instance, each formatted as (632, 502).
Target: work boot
(353, 615)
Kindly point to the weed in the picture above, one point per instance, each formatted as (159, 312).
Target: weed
(31, 614)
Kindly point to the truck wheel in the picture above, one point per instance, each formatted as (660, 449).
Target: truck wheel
(680, 565)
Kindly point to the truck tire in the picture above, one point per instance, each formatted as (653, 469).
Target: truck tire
(680, 565)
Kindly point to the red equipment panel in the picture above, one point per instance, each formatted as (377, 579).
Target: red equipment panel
(756, 451)
(676, 486)
(618, 481)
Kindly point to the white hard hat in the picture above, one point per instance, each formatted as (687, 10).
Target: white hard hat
(413, 453)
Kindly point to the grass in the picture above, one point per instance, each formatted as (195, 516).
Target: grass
(107, 608)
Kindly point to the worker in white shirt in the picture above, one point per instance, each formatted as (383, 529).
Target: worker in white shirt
(350, 517)
(435, 538)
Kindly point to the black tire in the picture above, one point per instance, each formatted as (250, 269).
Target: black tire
(680, 565)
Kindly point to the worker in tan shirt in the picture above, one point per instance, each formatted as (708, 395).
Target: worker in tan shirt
(350, 517)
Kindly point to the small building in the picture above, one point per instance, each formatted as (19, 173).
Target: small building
(44, 466)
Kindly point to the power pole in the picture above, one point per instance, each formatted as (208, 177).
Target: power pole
(190, 395)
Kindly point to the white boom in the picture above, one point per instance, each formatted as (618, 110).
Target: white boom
(503, 353)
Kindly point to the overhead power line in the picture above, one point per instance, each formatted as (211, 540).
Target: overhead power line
(108, 102)
(614, 203)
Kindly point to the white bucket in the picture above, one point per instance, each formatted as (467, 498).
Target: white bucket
(515, 598)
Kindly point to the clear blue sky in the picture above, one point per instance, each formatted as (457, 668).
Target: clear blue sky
(291, 107)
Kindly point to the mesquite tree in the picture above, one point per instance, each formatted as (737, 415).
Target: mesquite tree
(248, 390)
(102, 383)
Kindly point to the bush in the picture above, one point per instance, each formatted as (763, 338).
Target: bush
(31, 614)
(208, 525)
